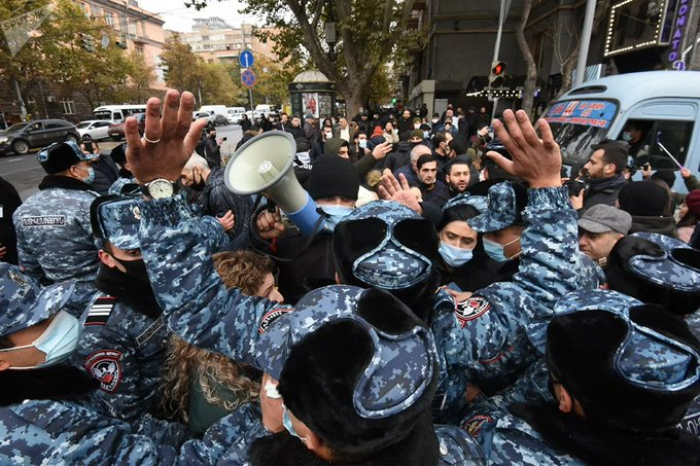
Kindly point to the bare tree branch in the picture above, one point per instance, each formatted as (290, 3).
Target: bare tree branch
(530, 84)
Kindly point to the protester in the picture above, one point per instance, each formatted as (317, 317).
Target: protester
(689, 216)
(647, 203)
(458, 176)
(432, 189)
(604, 170)
(600, 228)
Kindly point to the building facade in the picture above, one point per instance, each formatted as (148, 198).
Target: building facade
(216, 41)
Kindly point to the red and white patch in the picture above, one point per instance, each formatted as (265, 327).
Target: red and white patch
(471, 309)
(105, 366)
(474, 425)
(270, 317)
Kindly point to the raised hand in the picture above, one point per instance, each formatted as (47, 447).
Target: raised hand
(399, 191)
(535, 160)
(168, 141)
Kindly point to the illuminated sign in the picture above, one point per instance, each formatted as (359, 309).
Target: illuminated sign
(636, 24)
(674, 55)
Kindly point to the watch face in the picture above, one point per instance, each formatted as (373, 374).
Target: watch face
(159, 189)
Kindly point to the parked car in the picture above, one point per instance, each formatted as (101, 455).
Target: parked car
(96, 129)
(233, 114)
(220, 120)
(116, 130)
(21, 137)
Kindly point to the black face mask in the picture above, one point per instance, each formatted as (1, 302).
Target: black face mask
(198, 185)
(132, 286)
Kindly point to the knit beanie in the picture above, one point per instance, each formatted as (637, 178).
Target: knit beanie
(643, 199)
(378, 131)
(333, 176)
(666, 175)
(692, 200)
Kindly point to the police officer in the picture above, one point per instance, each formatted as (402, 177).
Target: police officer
(54, 237)
(123, 341)
(44, 417)
(622, 374)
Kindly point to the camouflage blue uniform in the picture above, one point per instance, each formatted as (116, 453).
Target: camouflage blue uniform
(125, 350)
(497, 333)
(64, 432)
(196, 304)
(54, 238)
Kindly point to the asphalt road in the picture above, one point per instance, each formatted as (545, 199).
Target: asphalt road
(25, 173)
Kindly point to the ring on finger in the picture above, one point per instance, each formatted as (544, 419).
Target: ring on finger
(145, 138)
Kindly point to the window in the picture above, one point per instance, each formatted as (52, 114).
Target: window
(673, 135)
(53, 125)
(68, 106)
(109, 18)
(143, 29)
(139, 51)
(132, 28)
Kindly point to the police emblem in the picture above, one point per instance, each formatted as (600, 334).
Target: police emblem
(474, 425)
(105, 366)
(18, 278)
(471, 309)
(270, 317)
(137, 212)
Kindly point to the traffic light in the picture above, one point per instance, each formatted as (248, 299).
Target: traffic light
(121, 41)
(87, 42)
(393, 101)
(498, 74)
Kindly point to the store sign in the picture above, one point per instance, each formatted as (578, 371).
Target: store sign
(680, 29)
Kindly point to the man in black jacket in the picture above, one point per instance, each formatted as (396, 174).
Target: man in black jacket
(604, 168)
(212, 150)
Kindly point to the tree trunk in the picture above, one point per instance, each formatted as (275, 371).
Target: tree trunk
(530, 85)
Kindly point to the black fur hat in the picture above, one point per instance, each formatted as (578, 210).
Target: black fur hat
(604, 364)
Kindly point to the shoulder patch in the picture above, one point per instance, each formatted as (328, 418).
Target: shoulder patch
(44, 221)
(474, 425)
(105, 366)
(272, 316)
(471, 309)
(100, 311)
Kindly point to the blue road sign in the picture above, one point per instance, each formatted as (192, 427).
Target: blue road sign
(246, 59)
(248, 78)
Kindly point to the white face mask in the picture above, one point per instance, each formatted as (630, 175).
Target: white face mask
(363, 143)
(58, 341)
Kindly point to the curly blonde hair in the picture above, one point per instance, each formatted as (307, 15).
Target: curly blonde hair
(243, 269)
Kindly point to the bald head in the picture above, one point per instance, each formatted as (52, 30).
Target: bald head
(416, 153)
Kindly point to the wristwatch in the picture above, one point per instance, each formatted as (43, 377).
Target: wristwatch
(160, 188)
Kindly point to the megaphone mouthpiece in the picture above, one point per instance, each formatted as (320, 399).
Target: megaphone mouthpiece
(268, 171)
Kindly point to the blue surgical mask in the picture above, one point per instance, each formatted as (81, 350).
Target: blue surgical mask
(454, 257)
(91, 176)
(496, 251)
(627, 136)
(58, 341)
(426, 134)
(336, 214)
(287, 422)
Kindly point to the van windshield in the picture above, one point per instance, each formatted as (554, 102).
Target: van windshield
(102, 115)
(578, 124)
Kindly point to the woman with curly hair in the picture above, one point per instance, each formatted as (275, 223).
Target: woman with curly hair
(200, 387)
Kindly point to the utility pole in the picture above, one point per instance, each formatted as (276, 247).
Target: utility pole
(585, 42)
(245, 47)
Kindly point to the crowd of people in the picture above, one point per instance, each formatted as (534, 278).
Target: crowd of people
(461, 300)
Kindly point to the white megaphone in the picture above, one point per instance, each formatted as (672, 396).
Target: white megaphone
(264, 165)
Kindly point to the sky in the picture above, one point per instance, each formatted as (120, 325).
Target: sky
(179, 18)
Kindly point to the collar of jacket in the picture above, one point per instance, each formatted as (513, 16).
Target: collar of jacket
(605, 184)
(598, 443)
(63, 182)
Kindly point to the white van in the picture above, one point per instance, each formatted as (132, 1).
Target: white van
(233, 114)
(117, 113)
(665, 105)
(264, 111)
(213, 109)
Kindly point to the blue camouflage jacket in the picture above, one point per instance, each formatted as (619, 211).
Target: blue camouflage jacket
(492, 337)
(196, 304)
(72, 433)
(54, 235)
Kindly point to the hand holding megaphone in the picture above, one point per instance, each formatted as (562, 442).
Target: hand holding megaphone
(264, 165)
(269, 225)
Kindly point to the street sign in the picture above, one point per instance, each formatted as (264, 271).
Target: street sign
(248, 78)
(246, 59)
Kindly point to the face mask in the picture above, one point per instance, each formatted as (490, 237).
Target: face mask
(91, 175)
(336, 214)
(496, 251)
(363, 143)
(58, 341)
(137, 270)
(329, 135)
(287, 422)
(627, 136)
(435, 120)
(416, 126)
(454, 257)
(426, 134)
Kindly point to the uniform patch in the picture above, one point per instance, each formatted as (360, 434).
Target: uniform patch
(471, 309)
(100, 311)
(44, 221)
(105, 366)
(474, 425)
(18, 278)
(270, 317)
